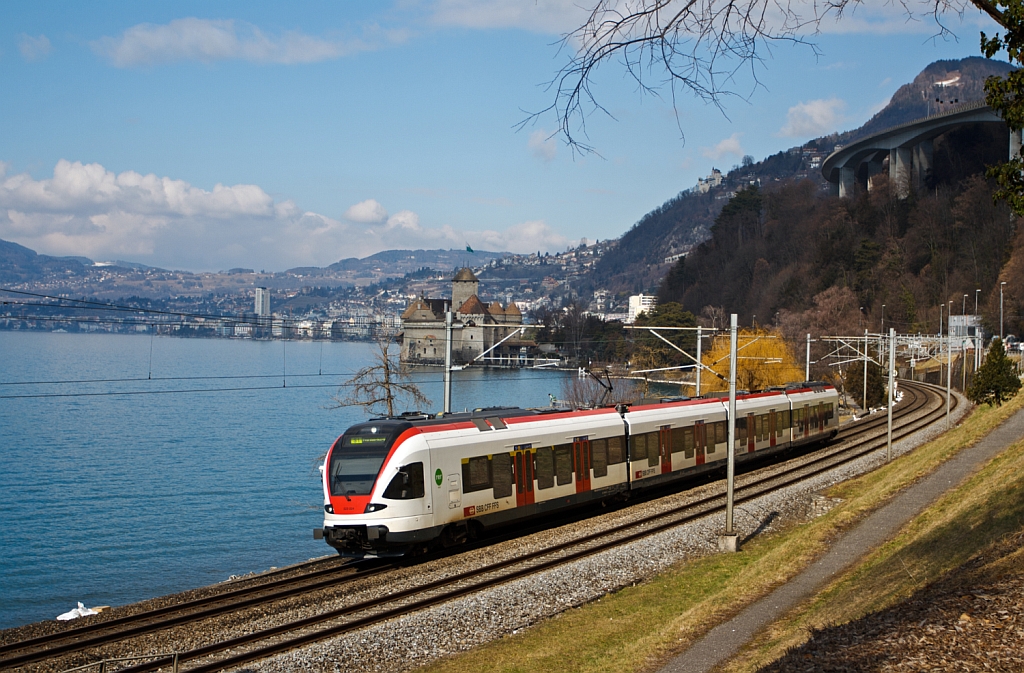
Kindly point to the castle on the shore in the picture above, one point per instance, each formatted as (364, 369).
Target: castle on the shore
(477, 327)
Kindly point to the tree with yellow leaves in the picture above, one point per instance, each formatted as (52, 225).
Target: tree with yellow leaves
(762, 360)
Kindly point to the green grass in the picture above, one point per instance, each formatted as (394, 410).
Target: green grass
(641, 626)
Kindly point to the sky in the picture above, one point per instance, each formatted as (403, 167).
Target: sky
(210, 135)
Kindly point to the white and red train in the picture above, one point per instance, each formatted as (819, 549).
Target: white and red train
(398, 484)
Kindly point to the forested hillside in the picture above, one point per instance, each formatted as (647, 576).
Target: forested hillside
(807, 262)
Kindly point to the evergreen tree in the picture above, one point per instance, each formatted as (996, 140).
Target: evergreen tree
(876, 384)
(996, 381)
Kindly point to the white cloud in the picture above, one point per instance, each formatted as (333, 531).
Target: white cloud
(525, 237)
(85, 209)
(542, 145)
(813, 118)
(542, 16)
(368, 211)
(208, 40)
(34, 48)
(729, 146)
(405, 220)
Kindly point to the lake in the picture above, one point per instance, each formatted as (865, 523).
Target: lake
(136, 466)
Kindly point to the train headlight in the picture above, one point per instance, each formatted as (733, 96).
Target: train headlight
(329, 508)
(374, 507)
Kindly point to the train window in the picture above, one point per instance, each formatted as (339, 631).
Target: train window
(563, 464)
(758, 427)
(741, 430)
(353, 469)
(677, 440)
(407, 484)
(501, 474)
(476, 474)
(688, 441)
(545, 467)
(638, 447)
(599, 457)
(721, 432)
(830, 411)
(615, 454)
(784, 420)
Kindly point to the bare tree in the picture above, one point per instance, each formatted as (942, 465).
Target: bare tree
(696, 46)
(598, 388)
(380, 387)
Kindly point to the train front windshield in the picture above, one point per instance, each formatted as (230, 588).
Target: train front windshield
(356, 459)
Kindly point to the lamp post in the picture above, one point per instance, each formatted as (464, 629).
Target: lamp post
(881, 341)
(977, 335)
(1001, 310)
(949, 363)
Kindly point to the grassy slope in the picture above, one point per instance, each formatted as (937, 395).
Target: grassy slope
(640, 626)
(965, 522)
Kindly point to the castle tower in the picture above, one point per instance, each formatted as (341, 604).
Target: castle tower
(464, 286)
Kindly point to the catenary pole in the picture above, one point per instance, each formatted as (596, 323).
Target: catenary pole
(865, 370)
(448, 361)
(892, 391)
(731, 463)
(807, 366)
(698, 361)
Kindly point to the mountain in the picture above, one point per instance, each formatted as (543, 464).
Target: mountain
(19, 264)
(400, 262)
(939, 86)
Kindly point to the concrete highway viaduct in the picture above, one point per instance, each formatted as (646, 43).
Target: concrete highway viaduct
(909, 148)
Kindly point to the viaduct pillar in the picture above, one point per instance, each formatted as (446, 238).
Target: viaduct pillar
(899, 169)
(847, 178)
(923, 153)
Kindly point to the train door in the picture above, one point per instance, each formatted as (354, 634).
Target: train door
(806, 421)
(771, 428)
(523, 462)
(700, 440)
(751, 437)
(665, 448)
(821, 417)
(581, 460)
(454, 491)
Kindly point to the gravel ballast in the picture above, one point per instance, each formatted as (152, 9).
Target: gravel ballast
(408, 642)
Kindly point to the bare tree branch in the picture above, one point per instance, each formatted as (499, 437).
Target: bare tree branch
(694, 46)
(380, 387)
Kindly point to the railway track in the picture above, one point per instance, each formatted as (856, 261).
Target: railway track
(921, 405)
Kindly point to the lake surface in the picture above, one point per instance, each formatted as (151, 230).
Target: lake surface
(207, 468)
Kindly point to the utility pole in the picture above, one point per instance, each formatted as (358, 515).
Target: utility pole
(727, 541)
(892, 391)
(807, 366)
(448, 361)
